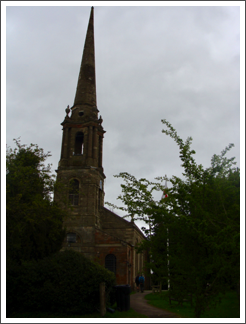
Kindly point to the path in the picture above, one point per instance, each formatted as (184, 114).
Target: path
(140, 305)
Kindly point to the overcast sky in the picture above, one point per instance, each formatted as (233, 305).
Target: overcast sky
(153, 62)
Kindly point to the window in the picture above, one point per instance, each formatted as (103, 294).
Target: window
(74, 192)
(110, 263)
(79, 143)
(71, 238)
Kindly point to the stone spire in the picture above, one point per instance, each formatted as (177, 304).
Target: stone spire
(86, 87)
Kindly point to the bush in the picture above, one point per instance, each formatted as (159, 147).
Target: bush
(66, 281)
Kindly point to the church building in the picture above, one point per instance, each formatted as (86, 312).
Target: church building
(92, 229)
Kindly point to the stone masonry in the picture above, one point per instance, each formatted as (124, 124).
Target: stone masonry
(93, 230)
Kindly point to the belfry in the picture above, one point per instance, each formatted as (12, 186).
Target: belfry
(92, 229)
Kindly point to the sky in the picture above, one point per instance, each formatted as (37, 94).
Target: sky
(179, 63)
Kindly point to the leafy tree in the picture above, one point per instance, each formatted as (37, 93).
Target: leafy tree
(194, 232)
(34, 224)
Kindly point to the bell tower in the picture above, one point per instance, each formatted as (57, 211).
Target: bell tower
(80, 169)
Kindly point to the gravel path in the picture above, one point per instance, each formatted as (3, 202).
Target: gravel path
(140, 305)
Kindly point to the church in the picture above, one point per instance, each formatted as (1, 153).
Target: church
(92, 229)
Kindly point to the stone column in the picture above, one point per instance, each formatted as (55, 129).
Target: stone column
(90, 142)
(95, 146)
(64, 143)
(100, 151)
(85, 143)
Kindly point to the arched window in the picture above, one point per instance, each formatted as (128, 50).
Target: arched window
(79, 143)
(71, 237)
(110, 262)
(74, 192)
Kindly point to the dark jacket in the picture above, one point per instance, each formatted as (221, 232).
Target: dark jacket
(141, 279)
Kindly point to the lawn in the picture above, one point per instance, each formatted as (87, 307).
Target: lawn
(228, 308)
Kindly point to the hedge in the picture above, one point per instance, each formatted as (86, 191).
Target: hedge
(66, 282)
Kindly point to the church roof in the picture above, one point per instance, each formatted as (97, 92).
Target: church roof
(113, 217)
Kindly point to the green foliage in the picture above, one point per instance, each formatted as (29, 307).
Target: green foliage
(193, 234)
(66, 281)
(34, 223)
(228, 308)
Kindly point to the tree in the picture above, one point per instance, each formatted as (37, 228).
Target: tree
(194, 233)
(34, 224)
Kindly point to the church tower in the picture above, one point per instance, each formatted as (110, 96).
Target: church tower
(80, 168)
(93, 230)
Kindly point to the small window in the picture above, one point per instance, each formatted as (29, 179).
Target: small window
(110, 263)
(74, 192)
(79, 143)
(81, 113)
(71, 238)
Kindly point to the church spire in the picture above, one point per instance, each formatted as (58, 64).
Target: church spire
(86, 87)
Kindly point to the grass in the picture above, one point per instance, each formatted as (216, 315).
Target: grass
(228, 308)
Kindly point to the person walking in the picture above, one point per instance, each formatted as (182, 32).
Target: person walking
(141, 283)
(137, 282)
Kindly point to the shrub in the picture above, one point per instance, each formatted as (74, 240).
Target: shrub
(66, 281)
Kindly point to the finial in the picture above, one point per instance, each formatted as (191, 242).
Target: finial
(67, 110)
(100, 120)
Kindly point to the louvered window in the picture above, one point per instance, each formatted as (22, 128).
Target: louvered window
(79, 143)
